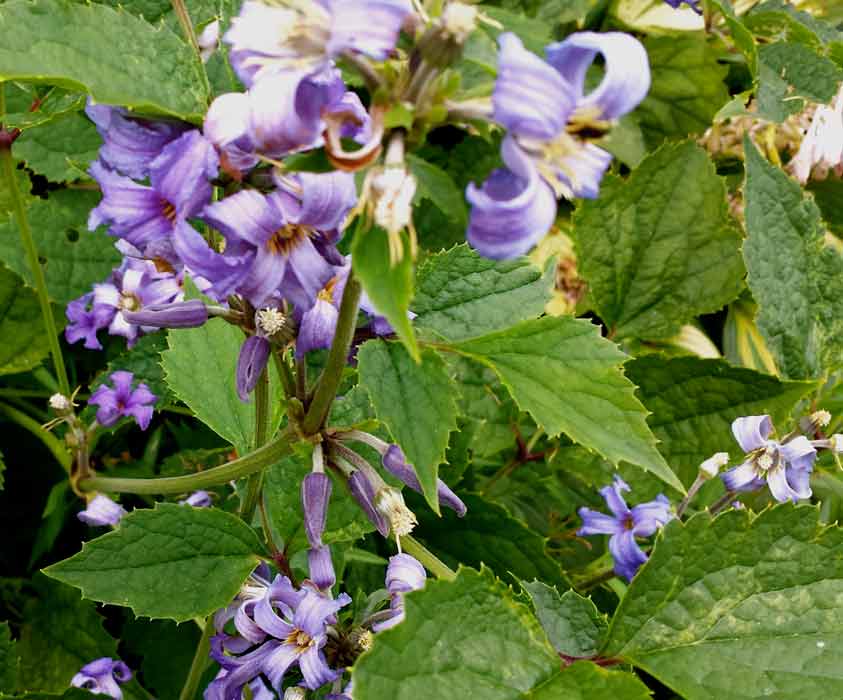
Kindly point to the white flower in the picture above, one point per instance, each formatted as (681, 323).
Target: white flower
(822, 145)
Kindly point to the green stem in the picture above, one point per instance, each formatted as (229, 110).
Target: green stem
(51, 442)
(287, 381)
(244, 466)
(8, 167)
(200, 662)
(431, 562)
(253, 487)
(329, 381)
(190, 34)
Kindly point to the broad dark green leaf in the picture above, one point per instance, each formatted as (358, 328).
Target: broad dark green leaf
(741, 606)
(167, 650)
(31, 105)
(73, 258)
(172, 562)
(694, 401)
(569, 379)
(415, 401)
(116, 57)
(796, 280)
(587, 681)
(466, 638)
(25, 341)
(61, 150)
(434, 185)
(573, 624)
(655, 252)
(9, 660)
(461, 294)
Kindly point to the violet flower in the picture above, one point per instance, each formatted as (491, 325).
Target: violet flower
(786, 467)
(122, 400)
(198, 499)
(624, 525)
(86, 318)
(544, 107)
(101, 511)
(403, 574)
(693, 4)
(315, 496)
(103, 677)
(253, 358)
(396, 464)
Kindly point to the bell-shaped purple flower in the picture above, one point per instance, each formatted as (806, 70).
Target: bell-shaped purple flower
(198, 499)
(403, 574)
(86, 318)
(122, 400)
(103, 677)
(179, 314)
(396, 464)
(786, 467)
(254, 354)
(315, 497)
(624, 525)
(101, 511)
(130, 144)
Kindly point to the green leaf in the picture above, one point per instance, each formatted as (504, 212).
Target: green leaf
(437, 187)
(741, 35)
(9, 660)
(461, 294)
(775, 19)
(113, 55)
(587, 681)
(389, 286)
(460, 638)
(569, 380)
(796, 280)
(573, 624)
(488, 535)
(24, 338)
(167, 650)
(155, 560)
(742, 341)
(828, 194)
(49, 103)
(72, 257)
(694, 401)
(687, 87)
(62, 633)
(655, 252)
(741, 606)
(61, 150)
(415, 401)
(24, 187)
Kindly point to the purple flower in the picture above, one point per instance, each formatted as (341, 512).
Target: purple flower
(179, 314)
(122, 400)
(624, 525)
(103, 677)
(254, 354)
(544, 107)
(693, 4)
(86, 318)
(227, 126)
(101, 511)
(268, 40)
(364, 493)
(130, 144)
(179, 188)
(396, 464)
(785, 467)
(403, 574)
(315, 497)
(198, 499)
(321, 567)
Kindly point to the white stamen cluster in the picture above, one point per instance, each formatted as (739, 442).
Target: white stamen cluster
(390, 504)
(271, 321)
(711, 467)
(60, 403)
(459, 20)
(362, 638)
(764, 461)
(393, 188)
(821, 418)
(295, 692)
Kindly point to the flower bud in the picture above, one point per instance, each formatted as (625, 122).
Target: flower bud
(396, 464)
(209, 40)
(364, 493)
(711, 467)
(442, 44)
(315, 496)
(250, 364)
(101, 511)
(390, 503)
(198, 499)
(182, 314)
(321, 567)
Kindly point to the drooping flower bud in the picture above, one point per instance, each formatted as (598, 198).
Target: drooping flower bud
(315, 496)
(321, 567)
(364, 493)
(209, 40)
(711, 467)
(182, 314)
(101, 511)
(198, 499)
(250, 364)
(396, 464)
(103, 677)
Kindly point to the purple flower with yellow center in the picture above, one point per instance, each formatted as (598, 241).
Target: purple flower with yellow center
(86, 318)
(178, 188)
(305, 36)
(101, 511)
(403, 574)
(550, 121)
(103, 677)
(121, 400)
(624, 525)
(785, 467)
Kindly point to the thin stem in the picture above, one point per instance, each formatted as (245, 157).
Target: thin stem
(253, 487)
(695, 487)
(301, 380)
(199, 663)
(366, 70)
(431, 562)
(286, 375)
(190, 34)
(8, 167)
(722, 503)
(244, 466)
(51, 442)
(329, 382)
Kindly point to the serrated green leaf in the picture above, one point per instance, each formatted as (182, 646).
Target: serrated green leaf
(749, 611)
(73, 257)
(462, 638)
(389, 286)
(461, 294)
(415, 401)
(796, 280)
(62, 633)
(116, 57)
(352, 410)
(687, 87)
(488, 535)
(573, 624)
(9, 660)
(656, 253)
(171, 562)
(776, 19)
(741, 35)
(167, 650)
(569, 379)
(694, 401)
(61, 150)
(25, 341)
(29, 106)
(436, 186)
(588, 681)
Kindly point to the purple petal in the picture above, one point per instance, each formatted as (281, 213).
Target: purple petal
(314, 610)
(369, 27)
(596, 523)
(628, 556)
(224, 272)
(254, 354)
(650, 516)
(362, 491)
(198, 499)
(752, 432)
(744, 477)
(227, 125)
(315, 668)
(321, 567)
(101, 511)
(583, 170)
(779, 486)
(800, 481)
(183, 314)
(269, 621)
(404, 573)
(282, 120)
(182, 172)
(799, 453)
(277, 663)
(326, 199)
(245, 216)
(315, 496)
(614, 499)
(317, 327)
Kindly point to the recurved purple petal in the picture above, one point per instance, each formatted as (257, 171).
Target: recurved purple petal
(744, 477)
(779, 485)
(583, 170)
(326, 199)
(182, 173)
(315, 669)
(224, 272)
(628, 556)
(613, 495)
(363, 492)
(799, 453)
(596, 523)
(650, 516)
(369, 27)
(752, 432)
